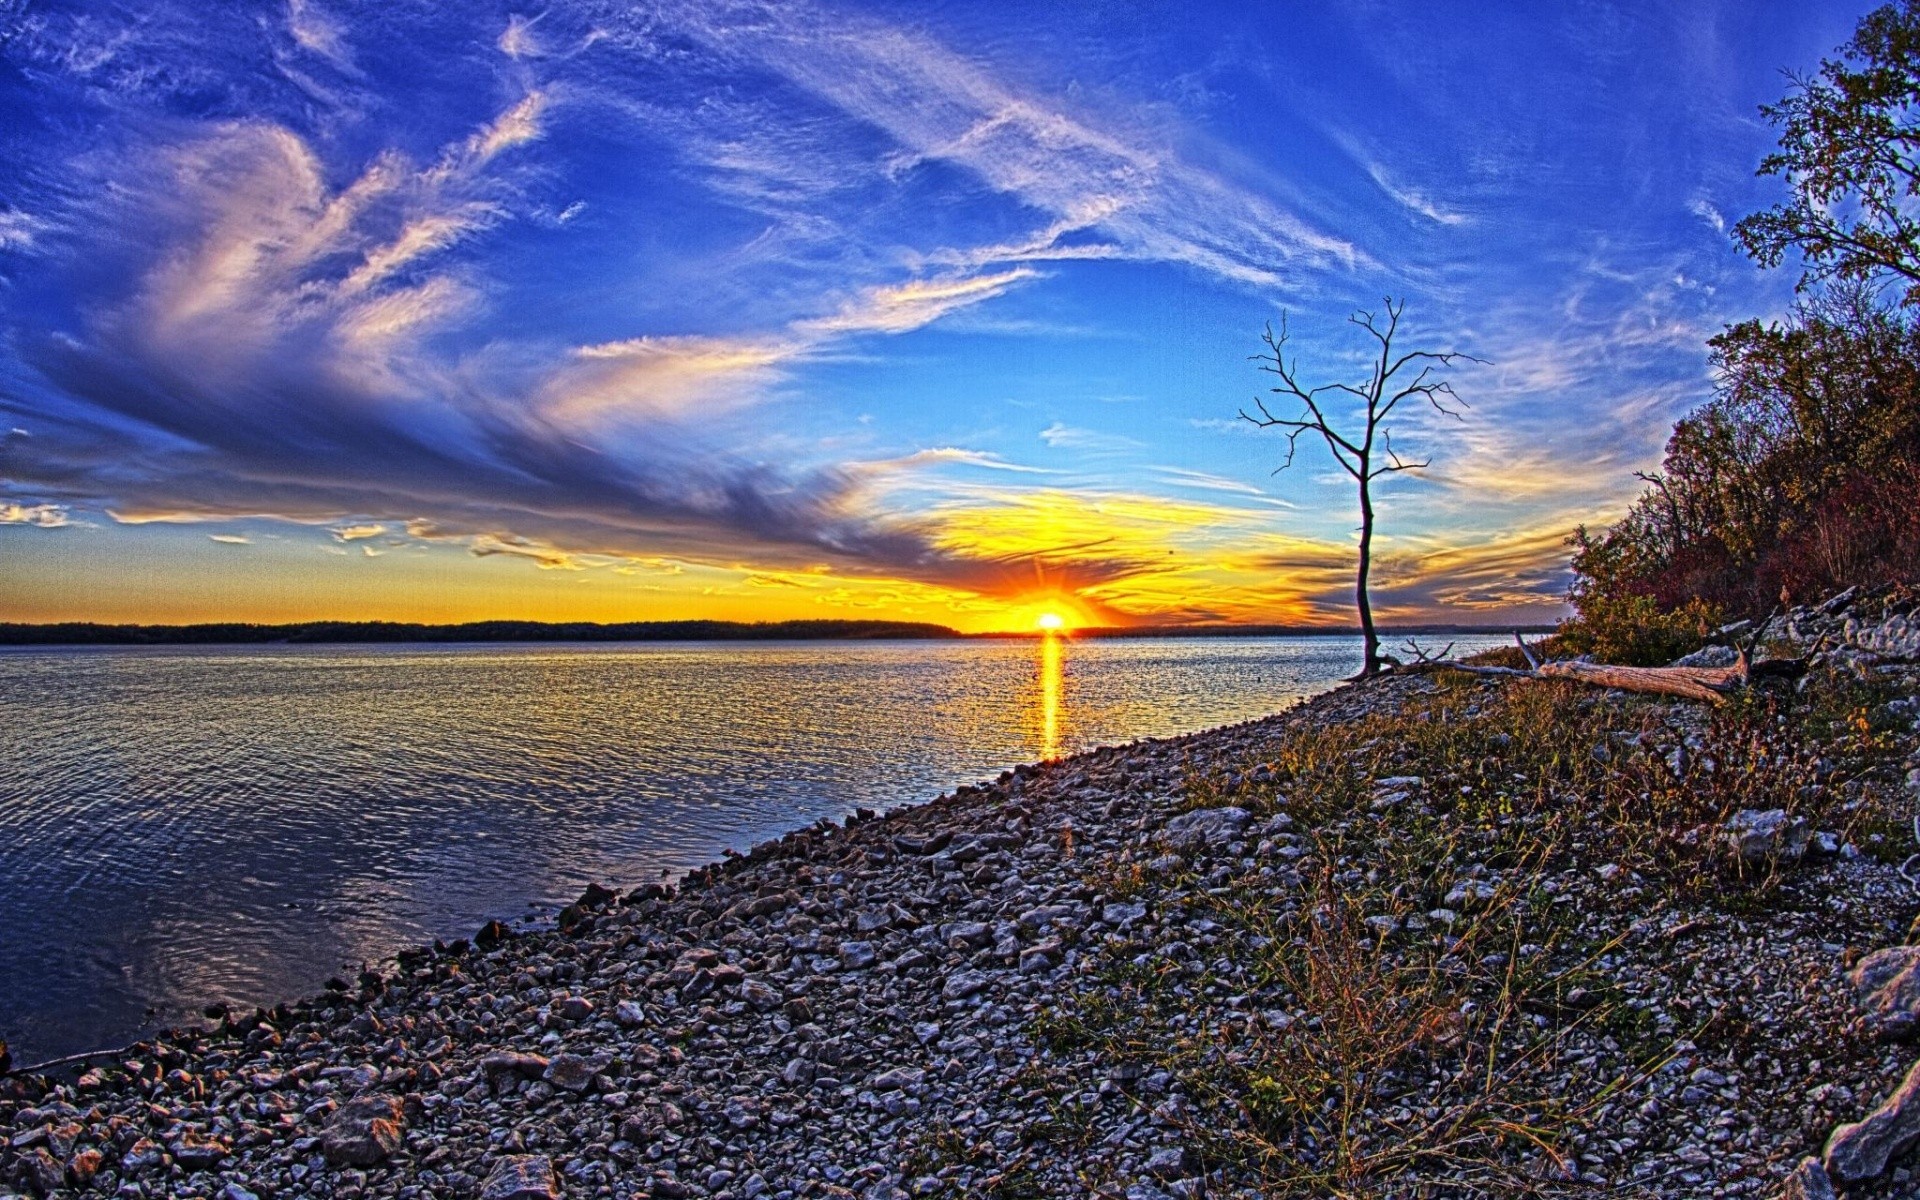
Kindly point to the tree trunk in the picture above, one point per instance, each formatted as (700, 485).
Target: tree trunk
(1370, 666)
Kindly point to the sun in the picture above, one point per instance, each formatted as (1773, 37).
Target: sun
(1051, 621)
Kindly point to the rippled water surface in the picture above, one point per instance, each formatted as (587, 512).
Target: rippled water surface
(185, 825)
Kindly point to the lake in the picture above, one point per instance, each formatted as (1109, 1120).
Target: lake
(184, 825)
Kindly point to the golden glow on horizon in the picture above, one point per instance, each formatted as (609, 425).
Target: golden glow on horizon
(1053, 562)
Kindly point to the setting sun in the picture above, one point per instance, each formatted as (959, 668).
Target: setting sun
(1051, 620)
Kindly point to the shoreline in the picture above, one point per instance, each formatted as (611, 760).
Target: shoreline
(529, 633)
(1070, 981)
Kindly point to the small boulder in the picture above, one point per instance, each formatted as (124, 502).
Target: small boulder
(962, 984)
(521, 1177)
(1888, 985)
(196, 1153)
(763, 997)
(1708, 656)
(1809, 1181)
(857, 956)
(1469, 893)
(1207, 827)
(363, 1131)
(507, 1062)
(569, 1071)
(1861, 1150)
(1768, 835)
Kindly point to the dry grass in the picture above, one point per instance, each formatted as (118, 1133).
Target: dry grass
(1336, 1040)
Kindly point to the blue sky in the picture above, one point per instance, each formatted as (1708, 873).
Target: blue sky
(638, 310)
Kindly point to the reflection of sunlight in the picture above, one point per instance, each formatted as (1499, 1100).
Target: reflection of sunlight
(1050, 696)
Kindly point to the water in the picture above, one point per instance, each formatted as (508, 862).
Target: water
(186, 825)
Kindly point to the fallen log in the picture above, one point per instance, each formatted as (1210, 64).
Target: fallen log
(1690, 683)
(1708, 684)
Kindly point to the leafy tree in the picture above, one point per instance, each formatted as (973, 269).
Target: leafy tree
(1802, 474)
(1364, 449)
(1850, 151)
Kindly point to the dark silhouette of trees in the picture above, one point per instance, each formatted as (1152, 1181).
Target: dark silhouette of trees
(1365, 449)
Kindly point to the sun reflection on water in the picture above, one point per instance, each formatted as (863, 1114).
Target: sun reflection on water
(1049, 688)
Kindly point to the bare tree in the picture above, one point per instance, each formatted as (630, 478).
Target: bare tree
(1367, 452)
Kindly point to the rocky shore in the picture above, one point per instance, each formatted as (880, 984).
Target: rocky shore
(1433, 935)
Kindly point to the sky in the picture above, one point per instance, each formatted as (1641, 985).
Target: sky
(633, 311)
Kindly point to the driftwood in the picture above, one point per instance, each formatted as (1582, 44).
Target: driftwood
(1708, 684)
(1689, 683)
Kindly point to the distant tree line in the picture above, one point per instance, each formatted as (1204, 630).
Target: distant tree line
(1802, 474)
(84, 633)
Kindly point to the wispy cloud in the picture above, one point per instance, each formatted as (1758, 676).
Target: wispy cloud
(230, 539)
(1062, 436)
(904, 307)
(1411, 199)
(1106, 190)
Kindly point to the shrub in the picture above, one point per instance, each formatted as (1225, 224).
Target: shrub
(1632, 630)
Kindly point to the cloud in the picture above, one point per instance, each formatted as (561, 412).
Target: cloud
(518, 40)
(1102, 188)
(939, 456)
(902, 308)
(1412, 200)
(1066, 437)
(546, 557)
(316, 30)
(20, 231)
(39, 516)
(663, 376)
(354, 533)
(230, 539)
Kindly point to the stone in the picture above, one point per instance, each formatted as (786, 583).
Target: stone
(144, 1155)
(1861, 1150)
(506, 1062)
(1765, 835)
(573, 1008)
(1168, 1162)
(1468, 893)
(197, 1154)
(962, 984)
(1888, 985)
(1040, 956)
(85, 1165)
(1207, 827)
(521, 1177)
(967, 935)
(42, 1172)
(362, 1132)
(1809, 1181)
(857, 956)
(569, 1071)
(1708, 656)
(763, 997)
(629, 1013)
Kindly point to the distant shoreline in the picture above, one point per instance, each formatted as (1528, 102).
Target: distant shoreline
(86, 633)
